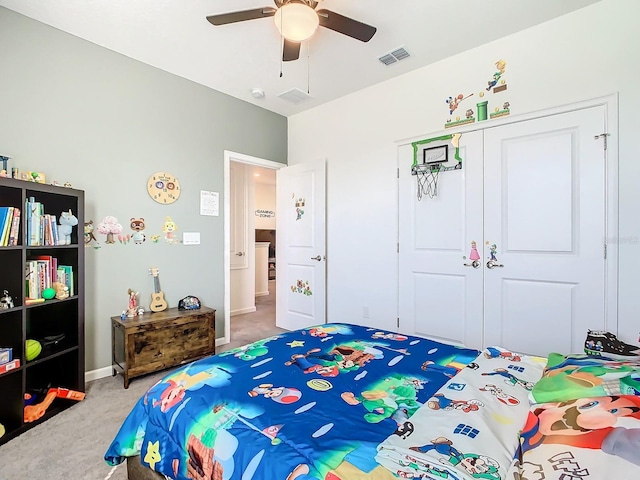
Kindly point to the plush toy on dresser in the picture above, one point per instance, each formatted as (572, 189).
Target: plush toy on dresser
(67, 221)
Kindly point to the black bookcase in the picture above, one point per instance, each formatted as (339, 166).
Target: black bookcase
(60, 364)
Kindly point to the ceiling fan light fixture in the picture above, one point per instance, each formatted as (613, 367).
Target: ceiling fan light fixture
(296, 21)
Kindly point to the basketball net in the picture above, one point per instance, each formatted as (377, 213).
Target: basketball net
(428, 181)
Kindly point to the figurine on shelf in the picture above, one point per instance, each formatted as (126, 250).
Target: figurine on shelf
(132, 311)
(6, 302)
(67, 221)
(62, 291)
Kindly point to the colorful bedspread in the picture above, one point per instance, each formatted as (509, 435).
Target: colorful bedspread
(586, 424)
(470, 428)
(307, 404)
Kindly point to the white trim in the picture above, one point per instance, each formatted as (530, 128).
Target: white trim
(242, 311)
(241, 158)
(610, 102)
(98, 374)
(607, 100)
(262, 294)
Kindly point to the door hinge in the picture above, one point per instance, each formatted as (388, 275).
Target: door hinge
(398, 173)
(398, 247)
(605, 251)
(603, 136)
(398, 322)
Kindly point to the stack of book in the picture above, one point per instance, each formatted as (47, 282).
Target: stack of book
(42, 229)
(42, 271)
(9, 226)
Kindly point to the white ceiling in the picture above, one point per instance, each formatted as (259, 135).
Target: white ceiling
(175, 36)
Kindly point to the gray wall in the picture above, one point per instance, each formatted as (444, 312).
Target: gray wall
(105, 123)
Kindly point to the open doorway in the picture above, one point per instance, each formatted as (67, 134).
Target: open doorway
(250, 269)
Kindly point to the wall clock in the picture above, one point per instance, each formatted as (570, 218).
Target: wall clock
(163, 187)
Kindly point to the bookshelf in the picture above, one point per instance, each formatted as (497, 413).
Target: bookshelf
(61, 362)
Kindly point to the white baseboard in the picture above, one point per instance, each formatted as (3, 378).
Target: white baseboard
(262, 294)
(240, 311)
(97, 374)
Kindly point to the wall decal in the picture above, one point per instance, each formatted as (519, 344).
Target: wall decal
(474, 255)
(497, 76)
(109, 226)
(454, 103)
(265, 213)
(169, 229)
(89, 235)
(299, 203)
(301, 287)
(493, 248)
(484, 108)
(138, 226)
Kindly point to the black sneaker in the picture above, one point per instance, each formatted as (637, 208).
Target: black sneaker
(606, 344)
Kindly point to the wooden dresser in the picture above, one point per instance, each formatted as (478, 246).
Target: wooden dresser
(155, 341)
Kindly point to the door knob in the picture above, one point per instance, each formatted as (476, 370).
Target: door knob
(240, 254)
(474, 264)
(491, 264)
(317, 258)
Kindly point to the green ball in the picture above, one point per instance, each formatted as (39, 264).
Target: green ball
(32, 349)
(48, 293)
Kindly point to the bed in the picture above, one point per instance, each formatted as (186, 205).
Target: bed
(341, 402)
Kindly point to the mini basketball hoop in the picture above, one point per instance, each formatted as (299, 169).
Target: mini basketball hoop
(434, 160)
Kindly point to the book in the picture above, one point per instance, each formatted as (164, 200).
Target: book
(31, 280)
(13, 364)
(14, 233)
(68, 277)
(5, 224)
(4, 212)
(35, 213)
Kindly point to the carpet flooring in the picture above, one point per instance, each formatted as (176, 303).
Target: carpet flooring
(71, 445)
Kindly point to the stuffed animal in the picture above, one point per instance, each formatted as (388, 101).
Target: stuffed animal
(67, 222)
(62, 291)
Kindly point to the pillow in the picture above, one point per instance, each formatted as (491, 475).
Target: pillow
(568, 377)
(470, 427)
(591, 437)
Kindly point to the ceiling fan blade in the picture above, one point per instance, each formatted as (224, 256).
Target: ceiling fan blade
(290, 51)
(345, 25)
(241, 16)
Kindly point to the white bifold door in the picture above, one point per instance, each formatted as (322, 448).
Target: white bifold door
(511, 250)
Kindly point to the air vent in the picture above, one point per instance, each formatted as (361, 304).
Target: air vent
(394, 57)
(295, 95)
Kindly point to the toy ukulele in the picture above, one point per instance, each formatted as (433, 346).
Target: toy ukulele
(158, 302)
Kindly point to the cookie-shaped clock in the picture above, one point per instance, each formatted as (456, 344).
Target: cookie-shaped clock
(163, 187)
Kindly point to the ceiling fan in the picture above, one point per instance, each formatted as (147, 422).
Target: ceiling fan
(297, 20)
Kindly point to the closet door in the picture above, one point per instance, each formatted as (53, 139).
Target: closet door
(544, 213)
(440, 292)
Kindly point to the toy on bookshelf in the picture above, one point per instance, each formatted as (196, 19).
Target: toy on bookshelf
(67, 221)
(6, 302)
(34, 412)
(61, 290)
(132, 310)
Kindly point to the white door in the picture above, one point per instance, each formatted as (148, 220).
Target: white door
(531, 195)
(440, 289)
(300, 246)
(238, 232)
(544, 201)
